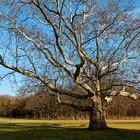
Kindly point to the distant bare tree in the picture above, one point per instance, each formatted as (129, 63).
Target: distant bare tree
(7, 104)
(93, 44)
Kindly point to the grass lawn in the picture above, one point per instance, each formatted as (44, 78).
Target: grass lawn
(21, 129)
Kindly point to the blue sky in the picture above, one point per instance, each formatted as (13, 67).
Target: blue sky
(7, 89)
(7, 86)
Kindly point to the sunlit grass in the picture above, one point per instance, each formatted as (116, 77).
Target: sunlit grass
(125, 124)
(24, 129)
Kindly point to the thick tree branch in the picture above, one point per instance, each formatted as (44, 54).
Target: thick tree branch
(79, 107)
(74, 95)
(110, 94)
(44, 80)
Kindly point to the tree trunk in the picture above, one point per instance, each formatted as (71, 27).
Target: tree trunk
(97, 118)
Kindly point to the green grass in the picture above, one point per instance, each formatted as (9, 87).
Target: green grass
(20, 129)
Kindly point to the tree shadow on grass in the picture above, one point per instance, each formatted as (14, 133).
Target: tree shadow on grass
(57, 132)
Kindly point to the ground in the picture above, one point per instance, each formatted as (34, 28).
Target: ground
(22, 129)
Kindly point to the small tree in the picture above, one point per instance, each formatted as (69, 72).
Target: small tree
(92, 44)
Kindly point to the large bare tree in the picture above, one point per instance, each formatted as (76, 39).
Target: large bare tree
(92, 44)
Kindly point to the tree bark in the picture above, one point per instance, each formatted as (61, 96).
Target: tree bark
(97, 118)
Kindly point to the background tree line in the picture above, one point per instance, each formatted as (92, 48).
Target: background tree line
(45, 106)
